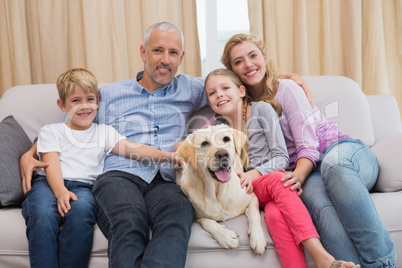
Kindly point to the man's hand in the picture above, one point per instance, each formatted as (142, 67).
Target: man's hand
(28, 164)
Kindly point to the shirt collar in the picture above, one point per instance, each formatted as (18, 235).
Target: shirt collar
(162, 90)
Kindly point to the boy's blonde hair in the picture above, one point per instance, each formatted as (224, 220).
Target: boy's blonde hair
(246, 101)
(77, 76)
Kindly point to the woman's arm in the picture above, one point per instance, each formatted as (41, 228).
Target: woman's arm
(299, 125)
(300, 81)
(298, 122)
(303, 169)
(55, 180)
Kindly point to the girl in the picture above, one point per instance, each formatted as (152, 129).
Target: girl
(267, 154)
(336, 171)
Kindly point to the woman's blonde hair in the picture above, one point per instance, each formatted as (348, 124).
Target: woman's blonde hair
(246, 101)
(77, 76)
(271, 76)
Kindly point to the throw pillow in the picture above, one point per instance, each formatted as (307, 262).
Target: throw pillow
(388, 154)
(14, 142)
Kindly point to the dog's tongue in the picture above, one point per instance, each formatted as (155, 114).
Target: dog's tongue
(223, 174)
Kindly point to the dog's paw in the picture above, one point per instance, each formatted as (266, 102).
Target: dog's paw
(226, 238)
(258, 244)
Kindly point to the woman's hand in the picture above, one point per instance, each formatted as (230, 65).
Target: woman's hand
(291, 180)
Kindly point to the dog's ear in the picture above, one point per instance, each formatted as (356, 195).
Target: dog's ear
(186, 151)
(240, 141)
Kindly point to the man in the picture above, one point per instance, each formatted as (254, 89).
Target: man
(131, 195)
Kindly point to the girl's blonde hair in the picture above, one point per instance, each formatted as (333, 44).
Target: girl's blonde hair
(77, 76)
(271, 76)
(246, 101)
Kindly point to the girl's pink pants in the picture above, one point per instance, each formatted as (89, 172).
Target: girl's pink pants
(286, 217)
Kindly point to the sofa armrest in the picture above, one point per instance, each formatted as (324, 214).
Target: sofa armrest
(385, 115)
(388, 155)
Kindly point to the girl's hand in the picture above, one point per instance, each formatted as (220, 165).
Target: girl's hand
(291, 180)
(63, 202)
(247, 178)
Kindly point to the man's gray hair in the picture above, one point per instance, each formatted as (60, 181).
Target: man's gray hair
(162, 26)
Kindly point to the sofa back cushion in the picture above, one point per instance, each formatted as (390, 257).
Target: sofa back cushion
(340, 99)
(33, 106)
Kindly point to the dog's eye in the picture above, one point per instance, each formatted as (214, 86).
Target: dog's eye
(204, 144)
(226, 139)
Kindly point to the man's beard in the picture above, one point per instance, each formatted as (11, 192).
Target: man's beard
(157, 79)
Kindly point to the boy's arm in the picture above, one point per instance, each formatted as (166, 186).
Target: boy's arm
(28, 163)
(55, 180)
(143, 152)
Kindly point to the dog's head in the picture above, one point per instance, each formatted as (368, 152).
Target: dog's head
(213, 150)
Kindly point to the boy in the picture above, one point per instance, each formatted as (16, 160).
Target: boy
(75, 151)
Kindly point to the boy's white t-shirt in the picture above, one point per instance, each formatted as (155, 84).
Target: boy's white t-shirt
(81, 152)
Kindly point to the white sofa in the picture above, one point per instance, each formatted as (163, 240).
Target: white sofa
(373, 119)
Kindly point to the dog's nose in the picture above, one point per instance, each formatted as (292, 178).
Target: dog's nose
(221, 154)
(223, 158)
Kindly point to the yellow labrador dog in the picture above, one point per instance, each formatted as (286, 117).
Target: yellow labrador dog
(209, 179)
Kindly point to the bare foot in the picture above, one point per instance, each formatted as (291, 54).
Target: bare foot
(343, 264)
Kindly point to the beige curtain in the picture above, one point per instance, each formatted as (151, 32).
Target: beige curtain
(360, 39)
(39, 39)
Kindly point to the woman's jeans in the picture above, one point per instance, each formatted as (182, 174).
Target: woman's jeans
(55, 241)
(337, 197)
(128, 208)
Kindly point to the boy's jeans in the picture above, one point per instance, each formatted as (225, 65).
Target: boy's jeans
(55, 241)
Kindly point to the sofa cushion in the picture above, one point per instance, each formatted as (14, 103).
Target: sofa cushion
(340, 99)
(384, 115)
(13, 143)
(390, 176)
(37, 106)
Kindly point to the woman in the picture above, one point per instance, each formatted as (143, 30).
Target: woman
(335, 170)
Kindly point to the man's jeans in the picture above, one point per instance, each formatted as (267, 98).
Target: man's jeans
(55, 241)
(128, 207)
(337, 197)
